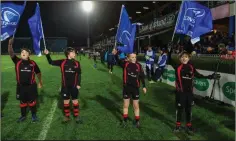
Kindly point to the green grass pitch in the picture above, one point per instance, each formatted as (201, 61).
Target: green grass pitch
(101, 109)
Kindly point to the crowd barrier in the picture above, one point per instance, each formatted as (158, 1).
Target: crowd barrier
(224, 89)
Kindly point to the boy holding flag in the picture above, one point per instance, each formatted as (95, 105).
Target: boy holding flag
(71, 81)
(26, 84)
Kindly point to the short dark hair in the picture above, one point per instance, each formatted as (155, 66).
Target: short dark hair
(68, 50)
(184, 53)
(130, 54)
(25, 49)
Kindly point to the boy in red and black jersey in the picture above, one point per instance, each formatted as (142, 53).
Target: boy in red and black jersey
(132, 75)
(185, 73)
(71, 81)
(26, 84)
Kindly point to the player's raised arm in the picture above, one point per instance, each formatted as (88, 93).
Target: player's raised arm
(50, 61)
(10, 49)
(14, 58)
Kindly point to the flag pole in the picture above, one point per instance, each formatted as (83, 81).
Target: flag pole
(180, 11)
(122, 7)
(42, 30)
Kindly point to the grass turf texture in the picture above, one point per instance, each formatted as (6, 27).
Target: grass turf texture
(101, 109)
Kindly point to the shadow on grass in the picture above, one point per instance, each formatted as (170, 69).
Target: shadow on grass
(216, 108)
(199, 122)
(117, 81)
(116, 96)
(230, 124)
(211, 132)
(155, 115)
(4, 99)
(83, 103)
(40, 98)
(102, 70)
(109, 105)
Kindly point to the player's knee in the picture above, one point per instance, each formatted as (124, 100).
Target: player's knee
(23, 104)
(32, 103)
(75, 102)
(67, 101)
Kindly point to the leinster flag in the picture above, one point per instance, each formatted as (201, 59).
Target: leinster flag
(125, 33)
(193, 20)
(36, 29)
(10, 17)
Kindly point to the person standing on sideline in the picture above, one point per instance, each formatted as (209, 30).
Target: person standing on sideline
(111, 60)
(150, 58)
(102, 56)
(185, 72)
(160, 66)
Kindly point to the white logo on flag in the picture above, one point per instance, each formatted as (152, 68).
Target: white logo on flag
(190, 16)
(127, 36)
(9, 16)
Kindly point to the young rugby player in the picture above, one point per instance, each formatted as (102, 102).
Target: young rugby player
(71, 81)
(185, 73)
(26, 84)
(132, 75)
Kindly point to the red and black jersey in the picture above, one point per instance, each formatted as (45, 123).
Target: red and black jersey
(185, 74)
(70, 70)
(132, 74)
(25, 71)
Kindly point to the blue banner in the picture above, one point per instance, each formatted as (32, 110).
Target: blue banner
(36, 29)
(126, 32)
(10, 17)
(194, 19)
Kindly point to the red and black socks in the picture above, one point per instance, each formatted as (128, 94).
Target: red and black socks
(67, 110)
(125, 117)
(137, 118)
(76, 109)
(32, 106)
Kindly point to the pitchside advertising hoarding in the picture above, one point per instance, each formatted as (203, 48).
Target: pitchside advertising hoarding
(224, 89)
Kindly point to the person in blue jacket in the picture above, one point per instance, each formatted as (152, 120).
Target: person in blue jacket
(122, 57)
(111, 60)
(160, 65)
(150, 58)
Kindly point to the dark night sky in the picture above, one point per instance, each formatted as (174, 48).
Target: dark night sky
(67, 19)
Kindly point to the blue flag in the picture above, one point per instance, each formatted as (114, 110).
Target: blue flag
(126, 32)
(193, 20)
(10, 17)
(36, 29)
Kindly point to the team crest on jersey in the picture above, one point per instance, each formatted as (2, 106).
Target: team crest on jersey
(25, 68)
(69, 68)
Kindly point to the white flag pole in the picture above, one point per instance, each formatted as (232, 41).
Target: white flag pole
(42, 29)
(180, 11)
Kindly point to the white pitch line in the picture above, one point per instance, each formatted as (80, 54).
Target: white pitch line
(47, 122)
